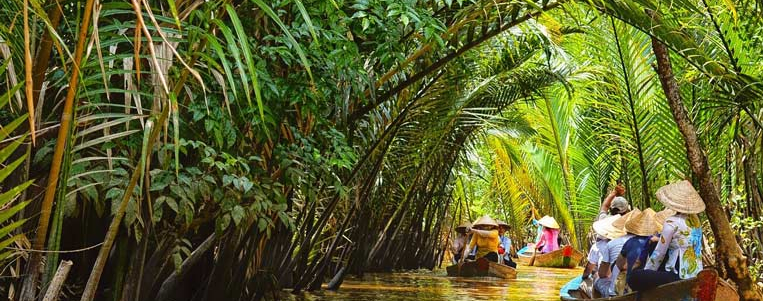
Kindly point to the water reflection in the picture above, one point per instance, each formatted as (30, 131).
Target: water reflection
(532, 284)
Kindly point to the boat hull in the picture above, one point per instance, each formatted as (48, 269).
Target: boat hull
(482, 268)
(705, 287)
(566, 257)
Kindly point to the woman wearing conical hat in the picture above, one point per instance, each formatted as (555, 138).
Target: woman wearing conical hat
(485, 238)
(461, 240)
(679, 248)
(548, 241)
(644, 226)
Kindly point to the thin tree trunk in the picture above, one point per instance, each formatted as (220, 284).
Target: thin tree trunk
(170, 284)
(58, 281)
(111, 234)
(729, 251)
(33, 270)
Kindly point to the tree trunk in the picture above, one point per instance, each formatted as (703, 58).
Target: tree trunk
(58, 281)
(730, 253)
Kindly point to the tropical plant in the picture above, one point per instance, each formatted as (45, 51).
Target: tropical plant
(12, 196)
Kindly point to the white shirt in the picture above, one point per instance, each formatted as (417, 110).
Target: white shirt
(612, 250)
(609, 254)
(594, 255)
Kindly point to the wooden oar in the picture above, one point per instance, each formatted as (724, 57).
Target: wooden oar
(532, 259)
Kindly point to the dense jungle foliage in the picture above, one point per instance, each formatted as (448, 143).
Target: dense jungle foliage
(219, 150)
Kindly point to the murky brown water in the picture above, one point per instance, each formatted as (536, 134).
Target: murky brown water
(531, 284)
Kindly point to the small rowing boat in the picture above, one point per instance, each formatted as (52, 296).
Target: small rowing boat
(705, 287)
(482, 268)
(566, 257)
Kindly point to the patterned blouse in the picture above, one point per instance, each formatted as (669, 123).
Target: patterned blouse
(681, 244)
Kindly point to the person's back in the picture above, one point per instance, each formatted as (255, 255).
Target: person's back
(550, 241)
(486, 241)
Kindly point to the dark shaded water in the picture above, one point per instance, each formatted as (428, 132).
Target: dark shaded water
(531, 284)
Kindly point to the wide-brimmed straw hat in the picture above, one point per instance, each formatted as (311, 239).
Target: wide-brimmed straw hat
(502, 224)
(681, 197)
(645, 223)
(620, 222)
(464, 225)
(664, 214)
(485, 220)
(605, 228)
(548, 222)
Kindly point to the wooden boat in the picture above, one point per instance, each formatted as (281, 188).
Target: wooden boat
(705, 287)
(482, 268)
(566, 257)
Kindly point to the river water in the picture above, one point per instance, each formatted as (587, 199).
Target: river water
(532, 283)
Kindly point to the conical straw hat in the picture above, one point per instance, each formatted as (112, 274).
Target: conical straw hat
(620, 222)
(605, 228)
(681, 197)
(664, 214)
(485, 220)
(644, 224)
(502, 224)
(464, 225)
(548, 222)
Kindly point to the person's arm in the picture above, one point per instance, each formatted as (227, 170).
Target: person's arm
(541, 241)
(654, 261)
(589, 268)
(619, 190)
(605, 270)
(607, 202)
(604, 265)
(456, 245)
(485, 233)
(472, 243)
(621, 262)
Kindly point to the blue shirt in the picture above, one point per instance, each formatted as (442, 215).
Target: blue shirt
(506, 244)
(638, 247)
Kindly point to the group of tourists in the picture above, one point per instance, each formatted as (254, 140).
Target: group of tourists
(486, 238)
(637, 250)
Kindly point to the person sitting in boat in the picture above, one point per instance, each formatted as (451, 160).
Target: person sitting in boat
(548, 241)
(679, 248)
(643, 227)
(504, 248)
(485, 238)
(614, 203)
(606, 228)
(461, 240)
(594, 254)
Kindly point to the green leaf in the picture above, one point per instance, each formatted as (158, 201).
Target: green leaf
(309, 22)
(262, 224)
(237, 214)
(244, 42)
(8, 129)
(12, 193)
(285, 30)
(6, 97)
(174, 11)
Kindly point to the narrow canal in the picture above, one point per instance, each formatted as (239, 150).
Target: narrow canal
(532, 283)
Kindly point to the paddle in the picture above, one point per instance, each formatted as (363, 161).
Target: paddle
(532, 259)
